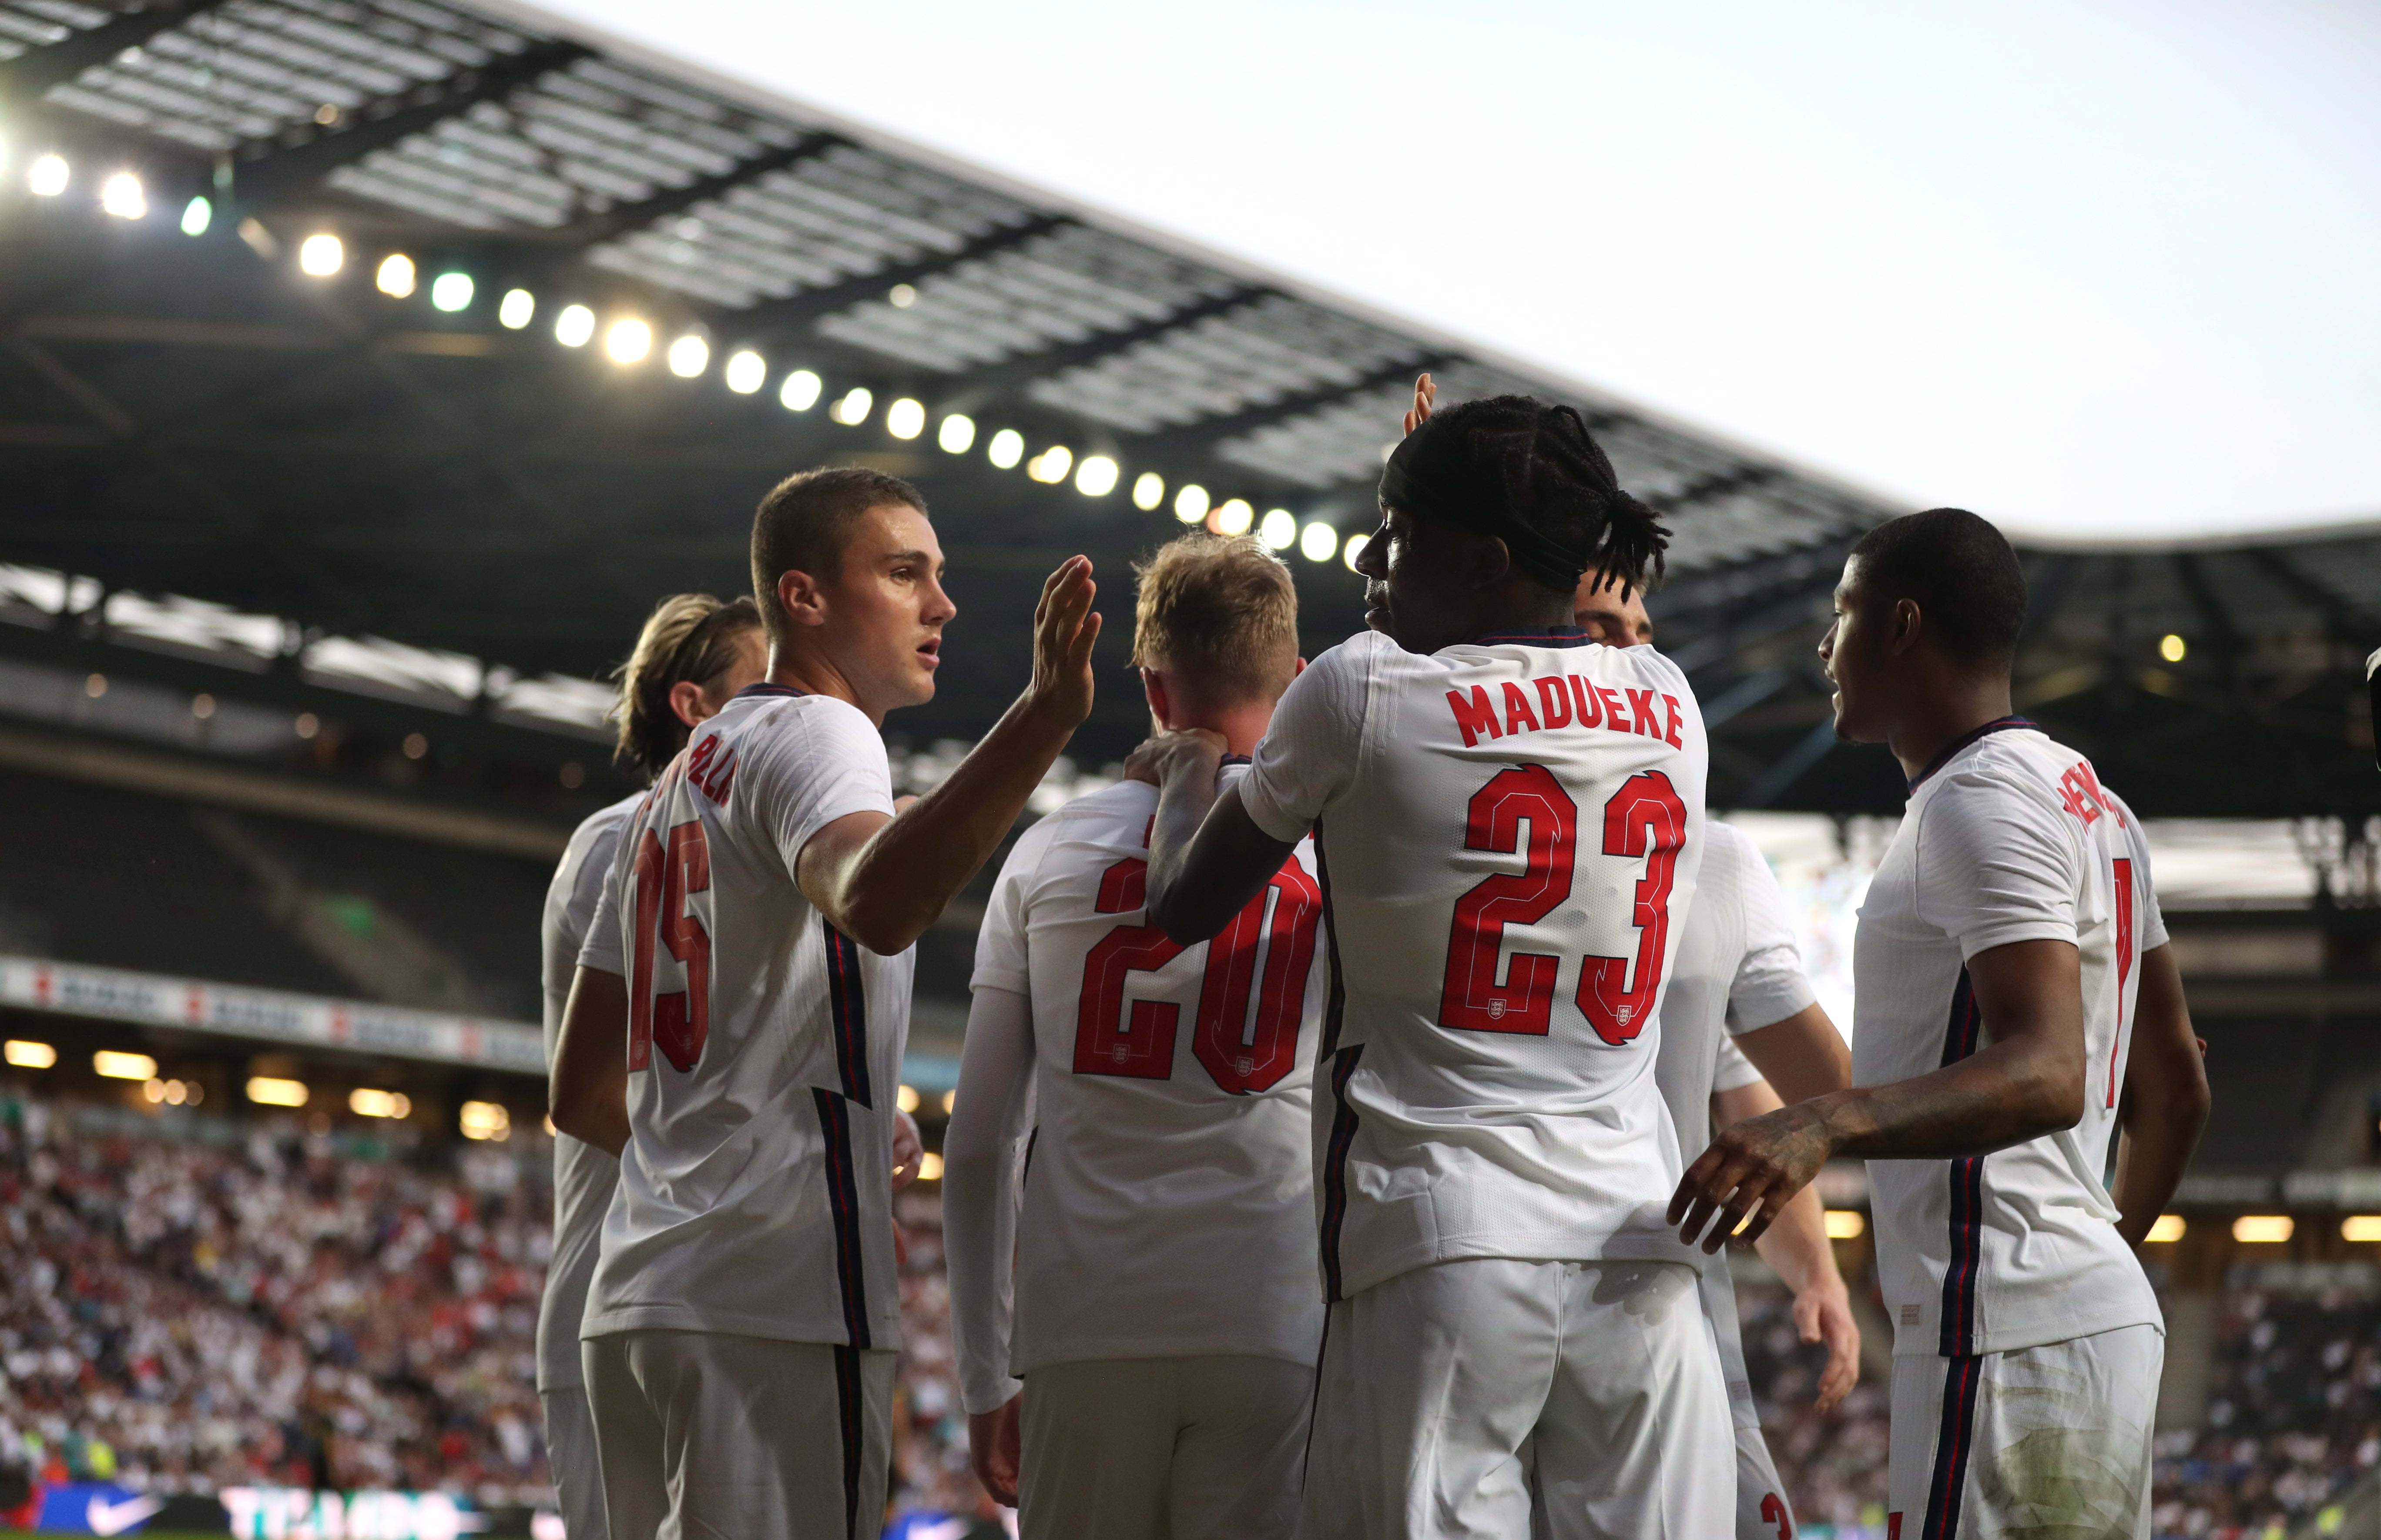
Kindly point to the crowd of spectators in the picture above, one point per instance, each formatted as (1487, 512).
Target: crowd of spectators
(2293, 1418)
(193, 1303)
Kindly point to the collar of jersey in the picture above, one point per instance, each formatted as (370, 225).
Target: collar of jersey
(1536, 636)
(1237, 759)
(765, 687)
(1970, 736)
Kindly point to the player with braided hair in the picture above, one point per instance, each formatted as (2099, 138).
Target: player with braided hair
(1508, 819)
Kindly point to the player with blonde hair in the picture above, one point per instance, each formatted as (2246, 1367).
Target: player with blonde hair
(1162, 1256)
(692, 656)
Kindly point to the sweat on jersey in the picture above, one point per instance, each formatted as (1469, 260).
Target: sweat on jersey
(1168, 1202)
(2010, 837)
(584, 1176)
(765, 1045)
(1506, 830)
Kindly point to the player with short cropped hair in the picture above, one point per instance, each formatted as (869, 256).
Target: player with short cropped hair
(1166, 1310)
(2018, 1007)
(1508, 819)
(691, 658)
(1740, 1017)
(736, 1029)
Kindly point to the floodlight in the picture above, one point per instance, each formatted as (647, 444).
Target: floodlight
(451, 291)
(688, 356)
(2263, 1229)
(958, 434)
(120, 195)
(273, 1091)
(628, 341)
(48, 176)
(903, 296)
(1148, 490)
(1190, 504)
(1317, 542)
(905, 418)
(1097, 477)
(1051, 464)
(365, 1102)
(2172, 647)
(322, 255)
(852, 410)
(124, 1067)
(27, 1055)
(574, 325)
(746, 372)
(1280, 530)
(1353, 549)
(396, 276)
(196, 215)
(1007, 448)
(1235, 517)
(2168, 1228)
(517, 309)
(800, 391)
(1845, 1223)
(485, 1120)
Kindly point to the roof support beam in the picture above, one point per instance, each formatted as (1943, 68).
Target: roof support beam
(1008, 373)
(26, 77)
(2350, 626)
(599, 227)
(1207, 432)
(1717, 483)
(273, 172)
(778, 316)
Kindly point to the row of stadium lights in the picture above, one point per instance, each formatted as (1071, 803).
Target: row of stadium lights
(487, 1120)
(629, 341)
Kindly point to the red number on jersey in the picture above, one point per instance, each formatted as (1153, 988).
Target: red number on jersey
(1239, 1054)
(2125, 956)
(680, 1022)
(1243, 1056)
(1644, 818)
(1471, 999)
(1773, 1511)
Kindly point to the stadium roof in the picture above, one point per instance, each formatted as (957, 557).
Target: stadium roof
(371, 476)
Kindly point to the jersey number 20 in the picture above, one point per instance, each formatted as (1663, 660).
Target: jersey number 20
(677, 1023)
(1240, 1056)
(1644, 820)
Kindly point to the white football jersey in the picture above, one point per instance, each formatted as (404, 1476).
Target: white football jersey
(765, 1045)
(2009, 837)
(1738, 970)
(584, 1175)
(1169, 1197)
(1505, 831)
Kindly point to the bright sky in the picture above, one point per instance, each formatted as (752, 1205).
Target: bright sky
(2090, 268)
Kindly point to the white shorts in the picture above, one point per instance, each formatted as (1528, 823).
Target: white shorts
(1199, 1447)
(571, 1456)
(704, 1435)
(2047, 1440)
(1564, 1400)
(1762, 1511)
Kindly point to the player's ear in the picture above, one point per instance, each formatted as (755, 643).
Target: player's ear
(1908, 623)
(685, 700)
(1300, 668)
(1492, 561)
(801, 597)
(1152, 685)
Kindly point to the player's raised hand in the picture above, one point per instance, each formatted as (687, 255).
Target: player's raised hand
(1161, 758)
(1426, 397)
(1064, 625)
(1750, 1170)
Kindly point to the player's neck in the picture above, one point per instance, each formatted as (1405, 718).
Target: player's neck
(798, 667)
(1523, 609)
(1946, 707)
(1241, 725)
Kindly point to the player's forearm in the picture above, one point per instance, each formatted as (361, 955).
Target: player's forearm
(2166, 1100)
(1184, 798)
(979, 1214)
(588, 1094)
(910, 870)
(2002, 1096)
(1803, 1056)
(1796, 1245)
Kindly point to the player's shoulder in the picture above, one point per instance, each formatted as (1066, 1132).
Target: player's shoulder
(604, 823)
(1112, 817)
(1727, 848)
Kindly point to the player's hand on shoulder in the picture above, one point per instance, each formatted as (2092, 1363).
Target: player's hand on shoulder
(1750, 1172)
(1168, 754)
(1064, 625)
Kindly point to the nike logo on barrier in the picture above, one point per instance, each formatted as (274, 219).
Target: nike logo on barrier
(107, 1518)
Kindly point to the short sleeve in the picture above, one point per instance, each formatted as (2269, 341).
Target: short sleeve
(1995, 865)
(1731, 1071)
(1000, 957)
(812, 765)
(1308, 752)
(601, 949)
(1769, 984)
